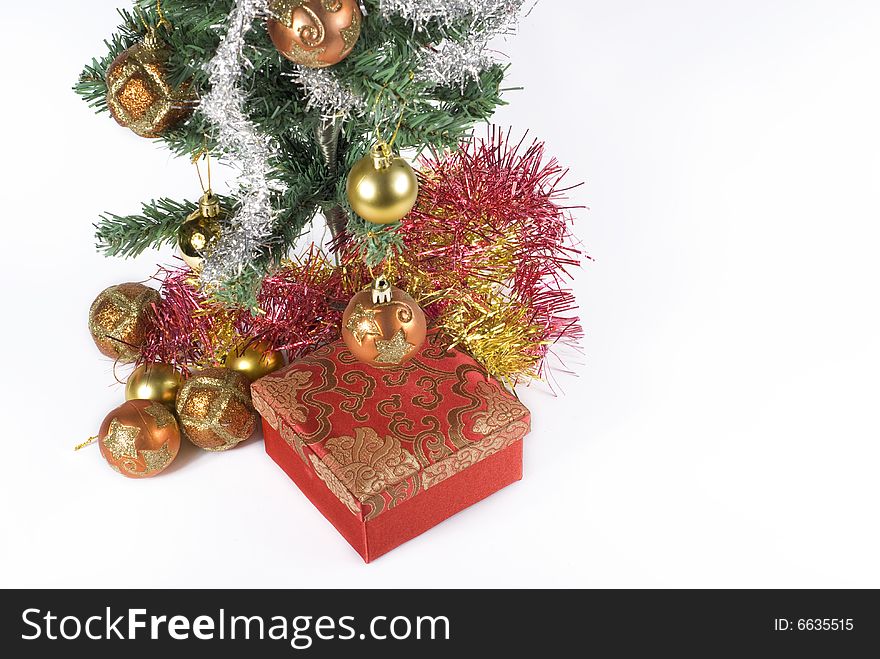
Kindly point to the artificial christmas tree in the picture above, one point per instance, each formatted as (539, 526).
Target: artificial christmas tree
(321, 107)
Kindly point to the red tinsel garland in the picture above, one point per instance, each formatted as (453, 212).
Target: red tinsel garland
(488, 252)
(492, 226)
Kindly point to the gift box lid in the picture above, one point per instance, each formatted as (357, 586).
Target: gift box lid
(378, 437)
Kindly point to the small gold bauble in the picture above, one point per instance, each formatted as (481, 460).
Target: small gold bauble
(139, 94)
(200, 232)
(315, 33)
(382, 188)
(158, 382)
(254, 361)
(215, 409)
(120, 318)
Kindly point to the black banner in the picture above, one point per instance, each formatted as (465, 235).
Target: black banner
(436, 623)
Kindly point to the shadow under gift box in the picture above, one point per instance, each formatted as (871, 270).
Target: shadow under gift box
(387, 454)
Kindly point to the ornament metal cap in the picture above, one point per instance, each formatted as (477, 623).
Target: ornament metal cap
(382, 293)
(382, 155)
(152, 41)
(209, 205)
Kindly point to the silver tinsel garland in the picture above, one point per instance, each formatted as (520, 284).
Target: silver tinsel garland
(455, 62)
(239, 138)
(450, 63)
(447, 12)
(327, 94)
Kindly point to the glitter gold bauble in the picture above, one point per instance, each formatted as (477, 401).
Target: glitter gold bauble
(254, 361)
(201, 231)
(140, 438)
(315, 33)
(383, 326)
(215, 409)
(158, 382)
(138, 92)
(382, 188)
(120, 318)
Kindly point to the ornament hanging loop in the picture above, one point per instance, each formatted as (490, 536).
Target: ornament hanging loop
(152, 40)
(209, 204)
(205, 153)
(163, 20)
(403, 103)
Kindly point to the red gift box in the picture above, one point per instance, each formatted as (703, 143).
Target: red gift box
(387, 454)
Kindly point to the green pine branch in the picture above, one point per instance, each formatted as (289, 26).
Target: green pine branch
(130, 235)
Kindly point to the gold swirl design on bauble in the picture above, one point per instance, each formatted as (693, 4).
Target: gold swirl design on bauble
(315, 33)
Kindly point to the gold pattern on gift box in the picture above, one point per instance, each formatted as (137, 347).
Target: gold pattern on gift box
(294, 440)
(367, 464)
(467, 457)
(286, 388)
(334, 485)
(501, 410)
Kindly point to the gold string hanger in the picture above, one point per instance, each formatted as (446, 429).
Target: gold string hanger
(379, 137)
(152, 30)
(89, 441)
(206, 154)
(163, 20)
(209, 204)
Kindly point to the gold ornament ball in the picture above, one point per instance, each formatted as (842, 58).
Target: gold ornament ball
(315, 33)
(138, 92)
(215, 409)
(382, 188)
(139, 439)
(254, 361)
(383, 326)
(158, 382)
(200, 232)
(120, 318)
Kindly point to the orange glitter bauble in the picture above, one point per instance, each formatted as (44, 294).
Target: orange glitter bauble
(315, 33)
(215, 409)
(383, 326)
(140, 438)
(120, 318)
(138, 92)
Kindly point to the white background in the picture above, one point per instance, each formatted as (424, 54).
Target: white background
(723, 430)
